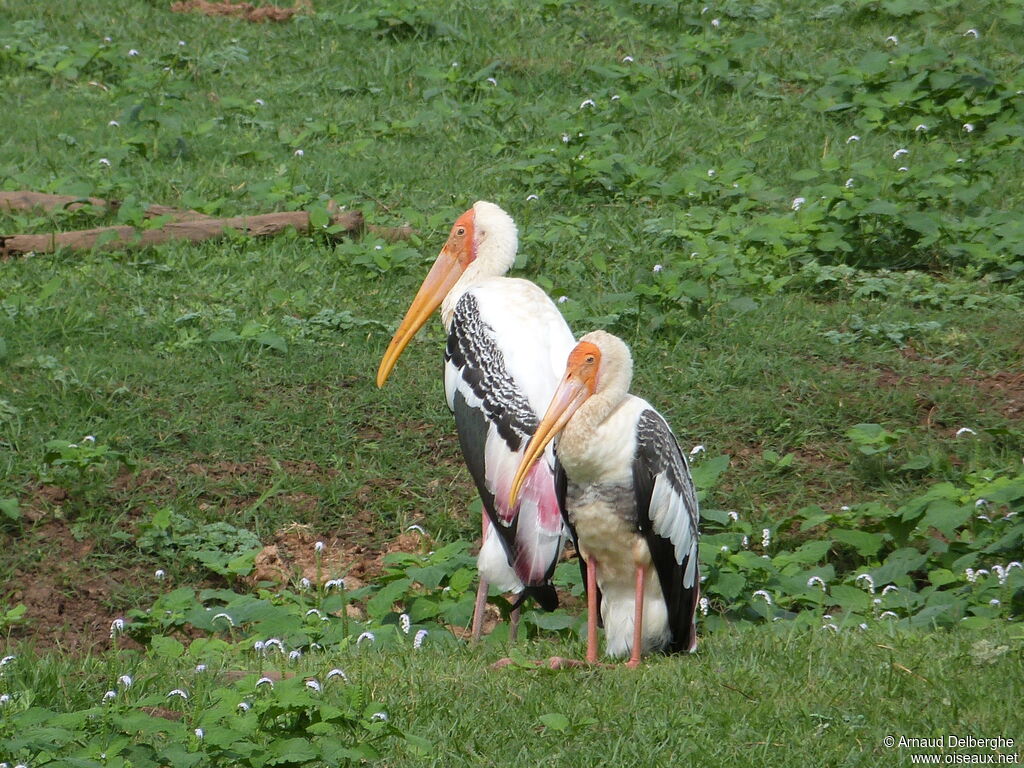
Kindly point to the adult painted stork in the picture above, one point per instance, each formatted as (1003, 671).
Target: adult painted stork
(629, 497)
(507, 344)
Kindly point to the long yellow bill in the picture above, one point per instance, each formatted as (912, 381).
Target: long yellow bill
(575, 388)
(439, 281)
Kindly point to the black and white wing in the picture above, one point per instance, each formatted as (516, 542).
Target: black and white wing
(667, 513)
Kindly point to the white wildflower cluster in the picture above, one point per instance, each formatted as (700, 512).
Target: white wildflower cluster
(869, 583)
(339, 673)
(369, 636)
(334, 584)
(117, 628)
(314, 684)
(417, 641)
(763, 594)
(179, 692)
(704, 606)
(766, 538)
(405, 623)
(817, 580)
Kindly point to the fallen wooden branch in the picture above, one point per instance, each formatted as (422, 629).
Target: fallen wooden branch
(24, 200)
(246, 11)
(113, 238)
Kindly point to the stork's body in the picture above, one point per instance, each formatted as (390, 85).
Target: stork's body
(630, 500)
(506, 348)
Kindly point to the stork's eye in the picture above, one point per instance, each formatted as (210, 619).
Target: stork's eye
(590, 359)
(460, 231)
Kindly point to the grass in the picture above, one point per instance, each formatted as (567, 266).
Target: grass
(235, 378)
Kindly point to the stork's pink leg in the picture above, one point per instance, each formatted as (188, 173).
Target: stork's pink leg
(481, 596)
(591, 611)
(638, 618)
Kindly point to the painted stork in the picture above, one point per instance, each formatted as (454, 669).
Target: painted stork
(507, 344)
(630, 500)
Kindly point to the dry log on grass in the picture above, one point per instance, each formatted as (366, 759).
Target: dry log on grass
(113, 238)
(246, 11)
(24, 200)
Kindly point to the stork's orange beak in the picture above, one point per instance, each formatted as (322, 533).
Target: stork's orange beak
(451, 263)
(578, 384)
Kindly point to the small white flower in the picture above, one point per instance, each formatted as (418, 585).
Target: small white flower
(405, 623)
(981, 571)
(133, 52)
(877, 601)
(763, 594)
(1014, 564)
(892, 39)
(862, 626)
(109, 695)
(903, 169)
(920, 127)
(528, 199)
(382, 716)
(969, 127)
(181, 43)
(986, 518)
(587, 103)
(259, 102)
(273, 643)
(971, 33)
(855, 137)
(108, 39)
(890, 588)
(417, 641)
(627, 59)
(844, 508)
(117, 627)
(745, 542)
(177, 692)
(314, 684)
(316, 612)
(887, 615)
(341, 673)
(766, 537)
(125, 680)
(1000, 572)
(106, 164)
(5, 699)
(970, 575)
(305, 583)
(199, 669)
(294, 655)
(199, 733)
(376, 248)
(114, 124)
(711, 172)
(299, 153)
(245, 706)
(366, 636)
(492, 81)
(981, 502)
(562, 299)
(231, 622)
(334, 584)
(733, 515)
(817, 580)
(159, 574)
(833, 627)
(849, 183)
(697, 449)
(616, 97)
(264, 681)
(964, 431)
(657, 268)
(866, 578)
(900, 153)
(797, 202)
(455, 64)
(704, 605)
(724, 549)
(960, 161)
(993, 601)
(7, 660)
(716, 22)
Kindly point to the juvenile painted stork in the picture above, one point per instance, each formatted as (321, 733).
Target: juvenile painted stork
(507, 344)
(629, 497)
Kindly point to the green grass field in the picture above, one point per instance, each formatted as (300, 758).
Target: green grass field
(831, 194)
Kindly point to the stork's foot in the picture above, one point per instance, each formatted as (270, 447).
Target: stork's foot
(632, 663)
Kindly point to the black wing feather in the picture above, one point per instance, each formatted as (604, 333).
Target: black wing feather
(658, 454)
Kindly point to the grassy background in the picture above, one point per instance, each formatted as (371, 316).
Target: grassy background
(364, 104)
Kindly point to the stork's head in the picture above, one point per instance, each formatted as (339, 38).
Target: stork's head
(482, 243)
(600, 364)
